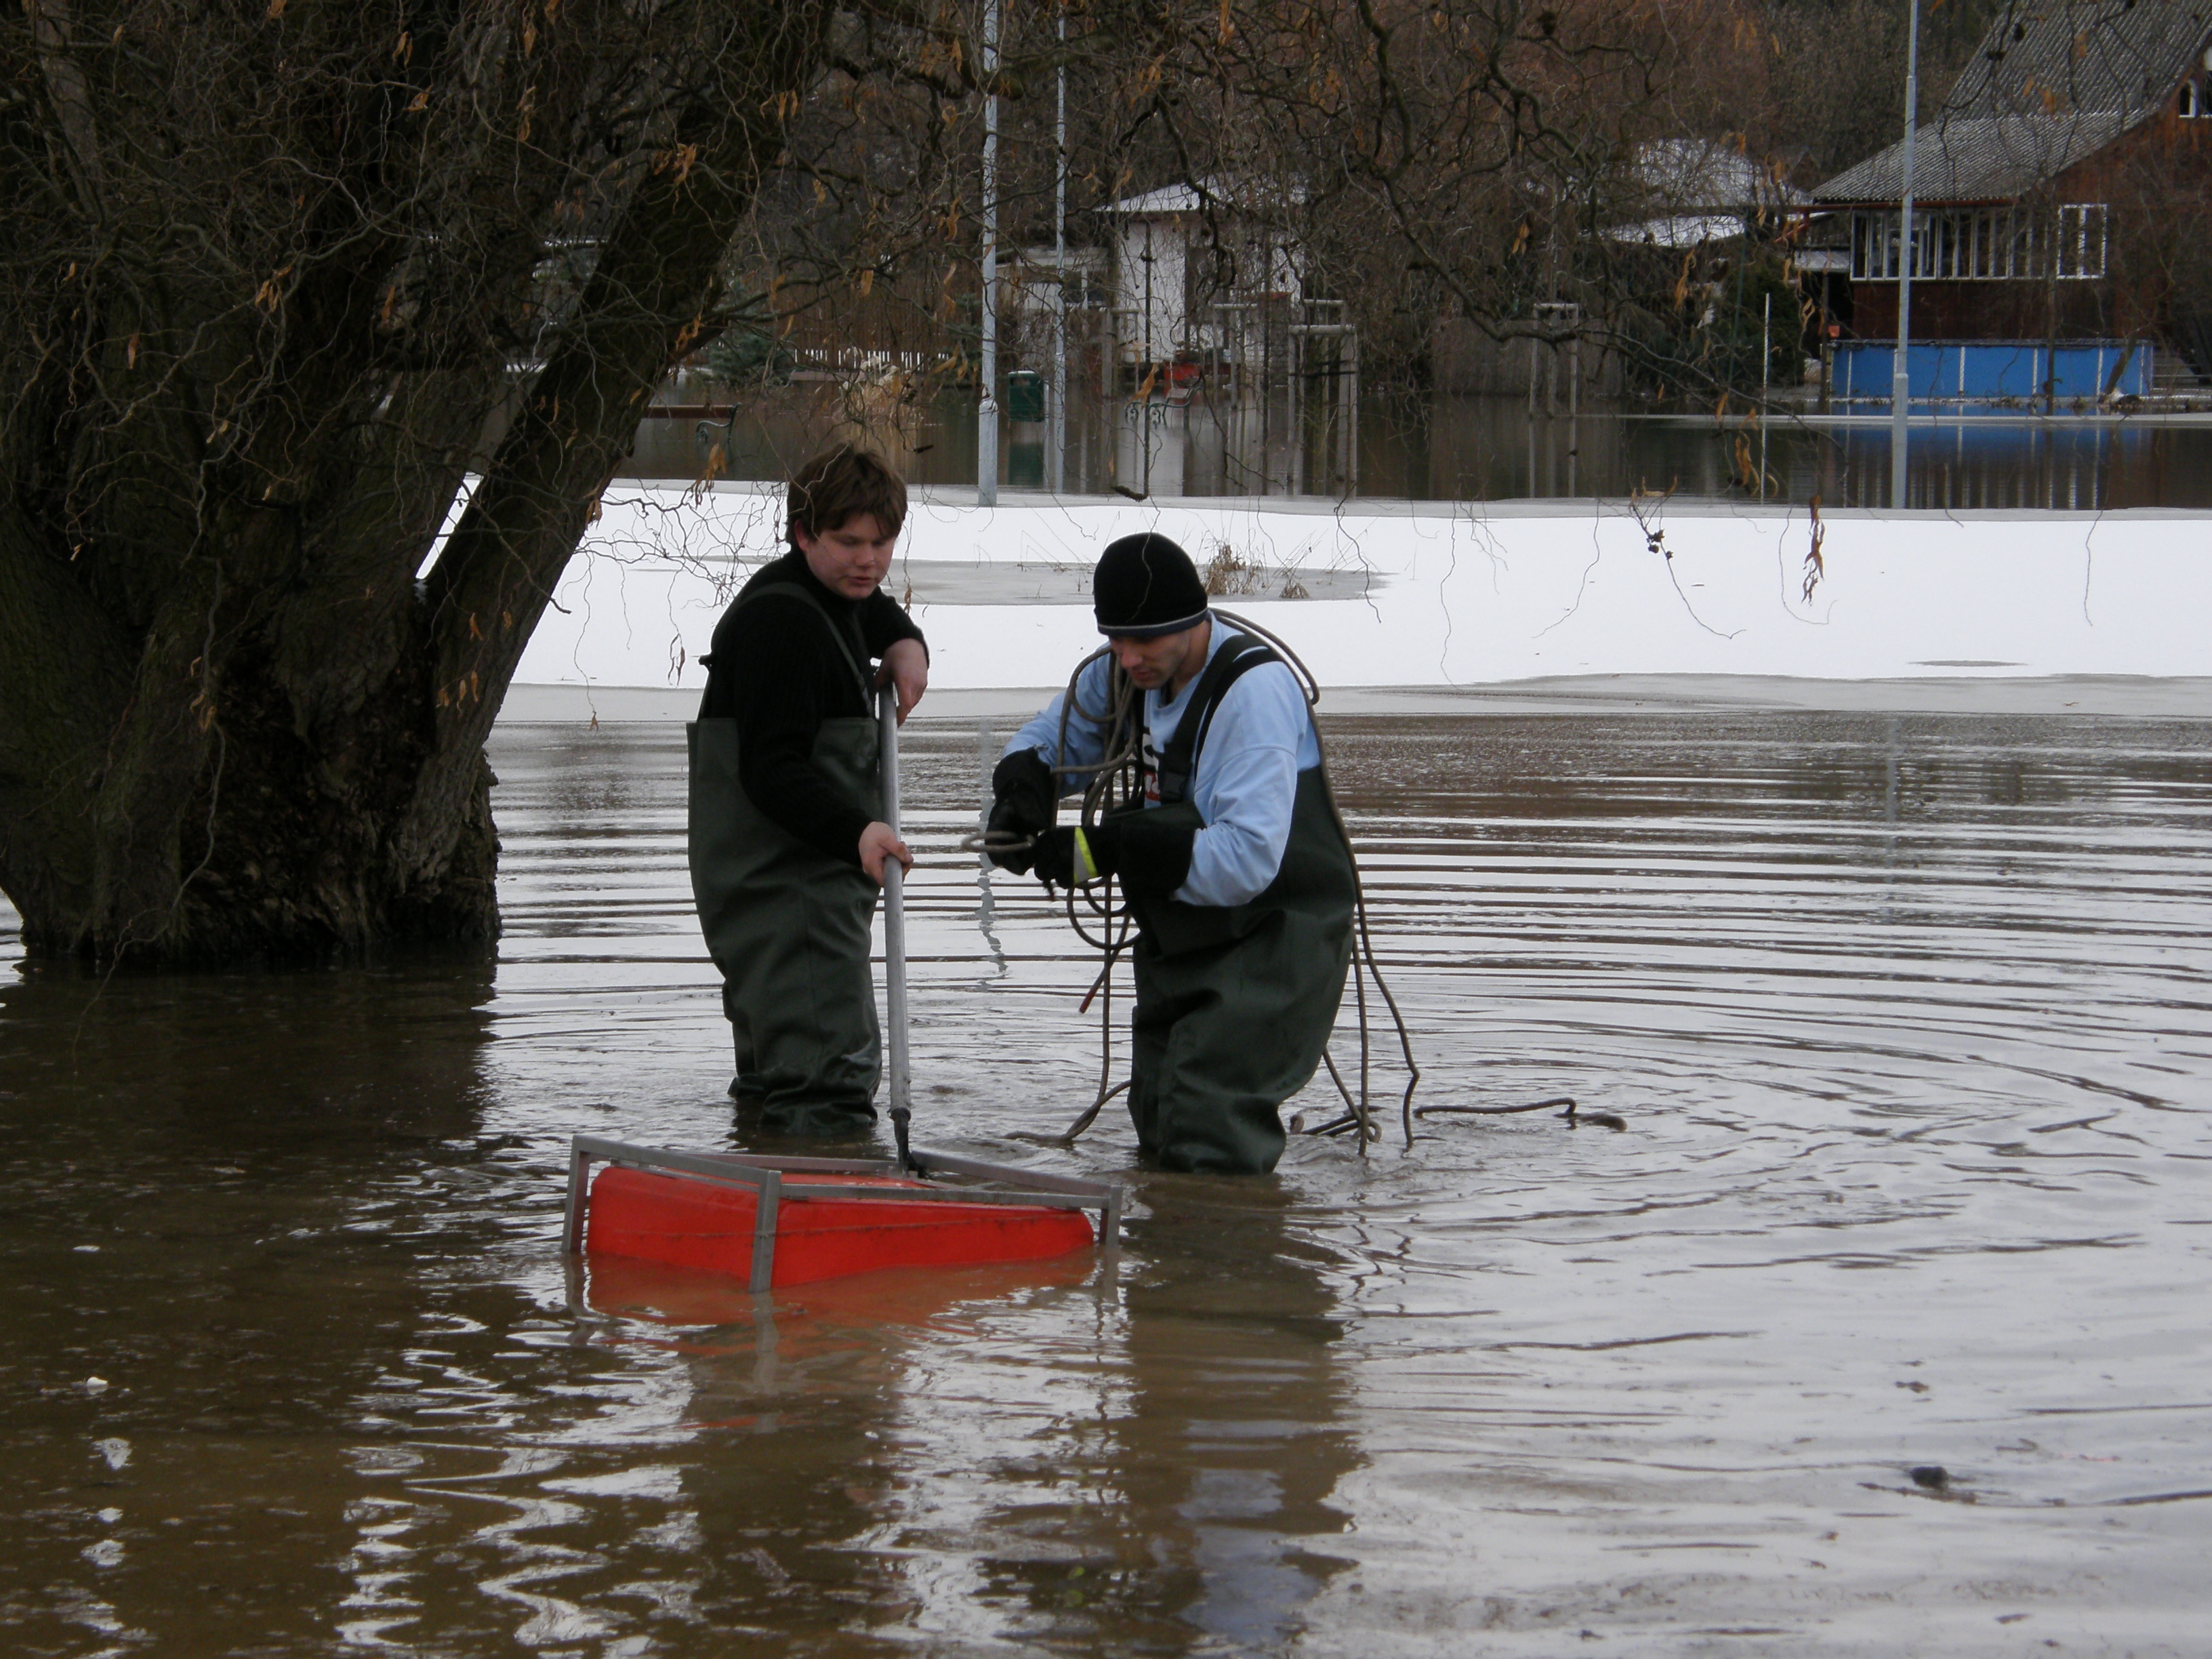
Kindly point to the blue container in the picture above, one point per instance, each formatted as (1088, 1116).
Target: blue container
(1993, 371)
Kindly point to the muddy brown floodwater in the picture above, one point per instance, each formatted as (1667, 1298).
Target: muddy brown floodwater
(1908, 1017)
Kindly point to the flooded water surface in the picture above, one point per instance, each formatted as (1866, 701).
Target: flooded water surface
(1442, 447)
(1907, 1017)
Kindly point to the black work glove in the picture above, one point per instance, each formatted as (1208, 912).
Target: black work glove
(1054, 855)
(1023, 793)
(1150, 851)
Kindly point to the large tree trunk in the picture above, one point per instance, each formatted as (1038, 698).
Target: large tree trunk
(271, 284)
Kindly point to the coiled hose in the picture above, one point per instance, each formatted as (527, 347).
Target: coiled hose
(1115, 782)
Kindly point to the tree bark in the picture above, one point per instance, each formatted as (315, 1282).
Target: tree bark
(257, 362)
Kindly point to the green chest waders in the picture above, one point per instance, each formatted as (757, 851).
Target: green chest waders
(788, 926)
(1235, 1003)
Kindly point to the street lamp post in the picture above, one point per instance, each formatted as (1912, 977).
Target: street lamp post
(1901, 385)
(1056, 432)
(987, 411)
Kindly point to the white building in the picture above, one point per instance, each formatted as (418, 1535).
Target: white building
(1700, 190)
(1182, 258)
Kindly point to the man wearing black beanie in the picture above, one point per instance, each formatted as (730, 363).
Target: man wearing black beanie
(1233, 862)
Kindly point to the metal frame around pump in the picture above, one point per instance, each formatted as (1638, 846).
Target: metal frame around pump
(765, 1175)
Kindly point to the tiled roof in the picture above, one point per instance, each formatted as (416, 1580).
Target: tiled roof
(1217, 193)
(1700, 189)
(1691, 175)
(2050, 57)
(1977, 159)
(1681, 230)
(1168, 198)
(2053, 81)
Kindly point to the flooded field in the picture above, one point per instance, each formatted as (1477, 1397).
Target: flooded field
(1445, 447)
(1908, 1019)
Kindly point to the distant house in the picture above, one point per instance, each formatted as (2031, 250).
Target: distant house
(1697, 192)
(1184, 257)
(1707, 197)
(2053, 191)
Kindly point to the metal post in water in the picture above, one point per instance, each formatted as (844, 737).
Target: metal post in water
(1109, 379)
(901, 1075)
(1574, 403)
(1533, 371)
(1351, 411)
(986, 410)
(1766, 358)
(1266, 363)
(1901, 385)
(1145, 369)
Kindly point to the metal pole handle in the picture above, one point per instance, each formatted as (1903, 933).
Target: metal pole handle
(902, 1080)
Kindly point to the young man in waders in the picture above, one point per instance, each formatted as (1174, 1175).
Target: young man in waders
(787, 840)
(1239, 877)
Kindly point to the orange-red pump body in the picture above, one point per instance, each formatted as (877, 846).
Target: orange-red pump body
(691, 1223)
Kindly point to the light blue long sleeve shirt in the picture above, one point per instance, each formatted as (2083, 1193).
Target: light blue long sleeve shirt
(1246, 781)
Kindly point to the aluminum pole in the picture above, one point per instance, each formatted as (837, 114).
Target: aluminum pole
(986, 410)
(1145, 408)
(895, 1014)
(1900, 384)
(1056, 411)
(1765, 360)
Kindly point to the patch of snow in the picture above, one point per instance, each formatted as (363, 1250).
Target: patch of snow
(1443, 595)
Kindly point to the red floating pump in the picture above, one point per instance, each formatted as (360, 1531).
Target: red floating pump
(780, 1222)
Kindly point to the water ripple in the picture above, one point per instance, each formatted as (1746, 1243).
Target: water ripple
(1908, 1019)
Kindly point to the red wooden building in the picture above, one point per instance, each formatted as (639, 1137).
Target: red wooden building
(2063, 190)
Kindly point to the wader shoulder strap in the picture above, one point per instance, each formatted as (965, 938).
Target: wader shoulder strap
(849, 644)
(1179, 762)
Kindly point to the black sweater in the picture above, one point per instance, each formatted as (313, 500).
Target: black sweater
(776, 671)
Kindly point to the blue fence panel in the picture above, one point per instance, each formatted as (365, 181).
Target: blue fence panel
(1984, 371)
(2006, 368)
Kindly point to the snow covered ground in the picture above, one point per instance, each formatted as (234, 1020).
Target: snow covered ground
(1425, 595)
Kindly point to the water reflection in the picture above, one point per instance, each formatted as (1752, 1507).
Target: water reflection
(220, 1219)
(1228, 1467)
(1043, 1454)
(1450, 447)
(1905, 1014)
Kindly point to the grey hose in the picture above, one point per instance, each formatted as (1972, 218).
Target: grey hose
(1114, 781)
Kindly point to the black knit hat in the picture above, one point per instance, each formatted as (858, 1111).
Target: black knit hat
(1145, 586)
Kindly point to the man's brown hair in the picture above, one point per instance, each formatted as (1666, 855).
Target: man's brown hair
(842, 483)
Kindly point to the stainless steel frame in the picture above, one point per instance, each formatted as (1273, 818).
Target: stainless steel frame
(998, 1184)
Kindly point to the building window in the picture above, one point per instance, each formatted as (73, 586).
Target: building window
(1983, 244)
(2082, 239)
(2191, 103)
